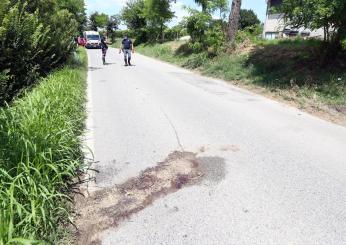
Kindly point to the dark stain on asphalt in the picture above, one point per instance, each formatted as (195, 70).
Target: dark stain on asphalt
(107, 208)
(214, 169)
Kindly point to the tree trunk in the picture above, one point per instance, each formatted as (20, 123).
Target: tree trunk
(233, 20)
(162, 34)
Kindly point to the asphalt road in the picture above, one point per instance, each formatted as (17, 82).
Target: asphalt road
(275, 175)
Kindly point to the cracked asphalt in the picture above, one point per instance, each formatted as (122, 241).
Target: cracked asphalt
(274, 174)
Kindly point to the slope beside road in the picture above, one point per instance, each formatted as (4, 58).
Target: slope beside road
(236, 168)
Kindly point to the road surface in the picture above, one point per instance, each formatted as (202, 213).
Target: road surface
(273, 174)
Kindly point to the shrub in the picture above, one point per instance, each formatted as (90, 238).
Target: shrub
(197, 24)
(22, 36)
(215, 38)
(196, 60)
(206, 33)
(248, 18)
(36, 36)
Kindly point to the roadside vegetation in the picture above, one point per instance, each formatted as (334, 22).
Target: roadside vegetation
(288, 68)
(40, 155)
(35, 38)
(42, 97)
(309, 73)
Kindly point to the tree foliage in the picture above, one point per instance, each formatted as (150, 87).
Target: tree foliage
(157, 13)
(35, 36)
(206, 33)
(77, 8)
(133, 17)
(204, 4)
(147, 18)
(112, 25)
(197, 24)
(98, 20)
(248, 18)
(314, 14)
(220, 6)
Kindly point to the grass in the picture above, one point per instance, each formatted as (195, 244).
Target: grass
(289, 68)
(40, 154)
(116, 43)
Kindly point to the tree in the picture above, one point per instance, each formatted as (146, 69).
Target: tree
(98, 20)
(157, 13)
(197, 24)
(314, 14)
(233, 20)
(133, 15)
(248, 18)
(112, 26)
(77, 8)
(204, 4)
(221, 6)
(175, 32)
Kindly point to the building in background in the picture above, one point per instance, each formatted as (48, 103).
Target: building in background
(275, 26)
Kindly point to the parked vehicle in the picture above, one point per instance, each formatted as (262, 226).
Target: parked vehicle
(92, 39)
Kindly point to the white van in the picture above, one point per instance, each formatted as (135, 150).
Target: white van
(92, 39)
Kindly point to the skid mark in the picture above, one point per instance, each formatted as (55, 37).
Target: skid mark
(108, 207)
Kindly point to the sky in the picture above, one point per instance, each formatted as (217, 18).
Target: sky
(112, 7)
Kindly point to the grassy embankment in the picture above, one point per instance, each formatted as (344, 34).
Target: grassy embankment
(289, 69)
(40, 154)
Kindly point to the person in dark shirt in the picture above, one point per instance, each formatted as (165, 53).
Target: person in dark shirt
(127, 48)
(104, 48)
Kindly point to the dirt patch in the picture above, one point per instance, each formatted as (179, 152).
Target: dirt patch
(108, 207)
(245, 47)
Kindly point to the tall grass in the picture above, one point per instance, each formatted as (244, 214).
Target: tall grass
(40, 153)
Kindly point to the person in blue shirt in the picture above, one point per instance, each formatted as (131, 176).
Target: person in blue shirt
(104, 48)
(127, 49)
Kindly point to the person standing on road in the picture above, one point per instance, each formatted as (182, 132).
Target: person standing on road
(127, 48)
(104, 48)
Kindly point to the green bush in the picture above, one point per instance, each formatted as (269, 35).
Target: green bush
(21, 36)
(196, 60)
(197, 25)
(248, 18)
(35, 37)
(252, 33)
(206, 33)
(215, 38)
(195, 46)
(40, 153)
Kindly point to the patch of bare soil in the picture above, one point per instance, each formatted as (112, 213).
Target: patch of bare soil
(108, 207)
(245, 47)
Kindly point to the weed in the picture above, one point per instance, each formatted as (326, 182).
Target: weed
(40, 153)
